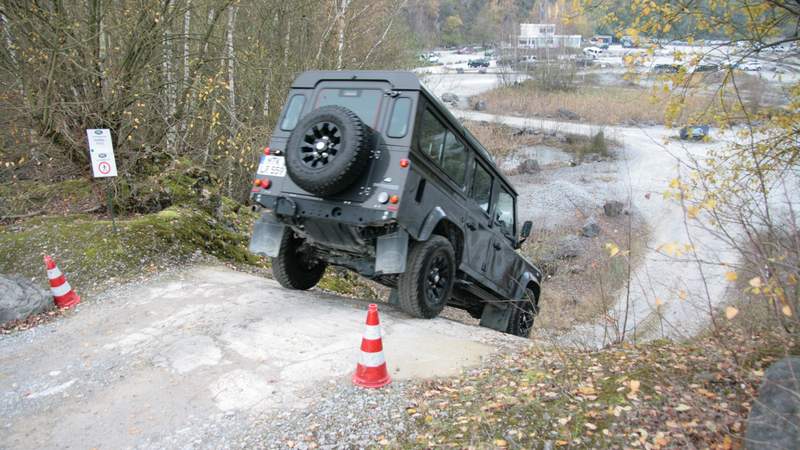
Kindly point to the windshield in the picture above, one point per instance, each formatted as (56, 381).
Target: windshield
(364, 102)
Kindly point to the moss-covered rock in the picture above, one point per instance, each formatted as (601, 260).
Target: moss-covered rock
(180, 184)
(88, 250)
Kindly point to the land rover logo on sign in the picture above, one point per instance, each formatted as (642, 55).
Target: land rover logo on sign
(101, 152)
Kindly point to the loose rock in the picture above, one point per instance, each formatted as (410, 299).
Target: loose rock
(569, 247)
(774, 421)
(591, 228)
(613, 208)
(480, 105)
(21, 298)
(567, 114)
(449, 97)
(528, 166)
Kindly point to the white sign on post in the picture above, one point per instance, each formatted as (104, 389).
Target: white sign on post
(101, 150)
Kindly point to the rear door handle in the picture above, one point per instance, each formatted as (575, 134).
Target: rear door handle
(471, 226)
(496, 245)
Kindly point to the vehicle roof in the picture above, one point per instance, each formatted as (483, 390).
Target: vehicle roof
(405, 81)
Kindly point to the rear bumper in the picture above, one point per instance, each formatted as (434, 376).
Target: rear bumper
(299, 208)
(371, 238)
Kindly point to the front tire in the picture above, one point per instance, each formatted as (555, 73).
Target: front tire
(292, 268)
(522, 317)
(425, 287)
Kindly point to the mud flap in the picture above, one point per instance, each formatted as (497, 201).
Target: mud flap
(496, 316)
(390, 253)
(394, 297)
(267, 235)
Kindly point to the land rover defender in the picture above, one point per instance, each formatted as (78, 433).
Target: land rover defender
(369, 171)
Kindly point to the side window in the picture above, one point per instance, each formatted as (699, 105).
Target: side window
(431, 136)
(481, 190)
(398, 123)
(504, 213)
(454, 159)
(293, 110)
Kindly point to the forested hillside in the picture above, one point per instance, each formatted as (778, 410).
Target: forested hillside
(198, 80)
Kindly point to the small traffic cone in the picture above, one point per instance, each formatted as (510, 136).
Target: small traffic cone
(371, 369)
(63, 295)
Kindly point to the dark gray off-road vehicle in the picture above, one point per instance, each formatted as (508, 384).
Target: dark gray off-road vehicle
(369, 171)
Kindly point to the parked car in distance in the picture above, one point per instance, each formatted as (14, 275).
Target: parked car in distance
(750, 67)
(369, 171)
(480, 62)
(706, 68)
(694, 132)
(627, 42)
(432, 58)
(666, 68)
(601, 40)
(593, 52)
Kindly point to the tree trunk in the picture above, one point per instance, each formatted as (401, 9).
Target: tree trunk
(187, 17)
(267, 87)
(230, 58)
(99, 50)
(342, 13)
(169, 86)
(7, 37)
(185, 82)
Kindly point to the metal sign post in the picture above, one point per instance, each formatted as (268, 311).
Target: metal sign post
(101, 152)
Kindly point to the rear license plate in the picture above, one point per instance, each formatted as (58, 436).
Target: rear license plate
(272, 166)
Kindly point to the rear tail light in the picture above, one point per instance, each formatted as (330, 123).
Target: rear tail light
(266, 151)
(404, 163)
(263, 183)
(394, 199)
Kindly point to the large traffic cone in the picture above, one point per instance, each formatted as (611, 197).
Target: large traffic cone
(63, 295)
(371, 369)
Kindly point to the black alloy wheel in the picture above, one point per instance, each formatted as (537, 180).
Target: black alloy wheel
(328, 150)
(321, 144)
(438, 279)
(425, 287)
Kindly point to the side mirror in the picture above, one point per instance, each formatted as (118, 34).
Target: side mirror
(525, 232)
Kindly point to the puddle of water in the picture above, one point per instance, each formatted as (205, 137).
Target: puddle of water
(545, 155)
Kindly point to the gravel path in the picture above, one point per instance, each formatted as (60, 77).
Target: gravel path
(206, 357)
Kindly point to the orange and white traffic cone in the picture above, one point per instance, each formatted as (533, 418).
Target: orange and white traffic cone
(371, 369)
(63, 295)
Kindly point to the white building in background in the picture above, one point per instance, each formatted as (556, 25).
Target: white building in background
(543, 35)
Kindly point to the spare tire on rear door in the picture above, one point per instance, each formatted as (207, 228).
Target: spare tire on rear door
(328, 150)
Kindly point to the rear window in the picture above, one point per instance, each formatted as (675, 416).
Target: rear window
(364, 102)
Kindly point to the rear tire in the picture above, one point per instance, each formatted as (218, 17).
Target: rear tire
(425, 287)
(293, 269)
(522, 317)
